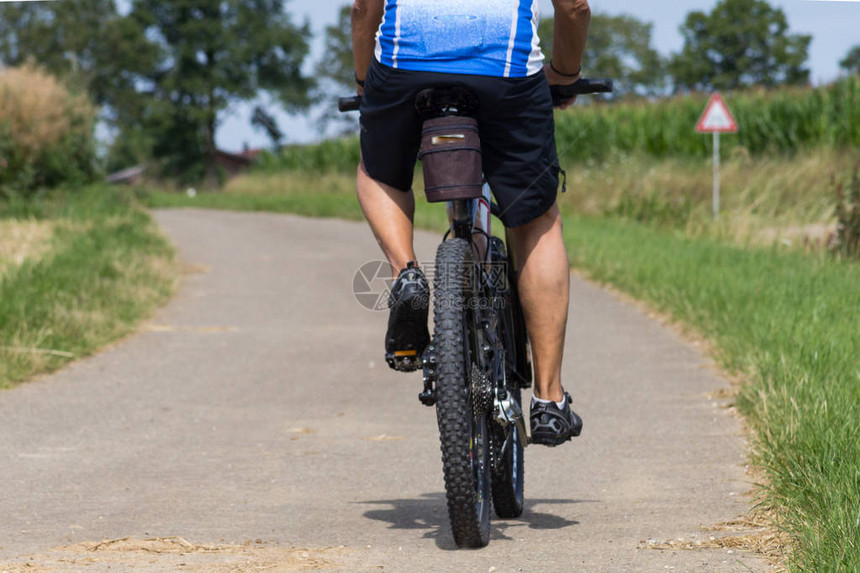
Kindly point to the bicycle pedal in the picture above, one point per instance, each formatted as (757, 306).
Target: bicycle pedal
(404, 360)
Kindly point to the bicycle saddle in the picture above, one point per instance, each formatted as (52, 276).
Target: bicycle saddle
(446, 101)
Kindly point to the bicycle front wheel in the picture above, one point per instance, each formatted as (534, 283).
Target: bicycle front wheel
(462, 432)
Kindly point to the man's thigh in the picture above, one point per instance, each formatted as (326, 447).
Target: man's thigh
(518, 143)
(390, 127)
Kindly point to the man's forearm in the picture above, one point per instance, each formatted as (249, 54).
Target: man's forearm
(570, 32)
(366, 15)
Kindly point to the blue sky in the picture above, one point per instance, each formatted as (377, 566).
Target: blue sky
(834, 26)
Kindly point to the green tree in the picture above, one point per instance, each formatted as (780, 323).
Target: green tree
(211, 55)
(337, 64)
(85, 42)
(336, 72)
(851, 62)
(619, 47)
(131, 144)
(740, 43)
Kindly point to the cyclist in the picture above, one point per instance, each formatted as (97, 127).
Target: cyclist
(492, 48)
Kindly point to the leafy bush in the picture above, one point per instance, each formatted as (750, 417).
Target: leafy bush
(46, 132)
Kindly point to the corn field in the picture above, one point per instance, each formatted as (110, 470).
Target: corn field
(784, 121)
(331, 155)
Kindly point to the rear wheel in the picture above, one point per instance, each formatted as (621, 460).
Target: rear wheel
(507, 476)
(508, 469)
(463, 433)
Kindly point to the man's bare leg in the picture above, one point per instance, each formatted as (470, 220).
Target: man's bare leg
(544, 288)
(544, 280)
(389, 212)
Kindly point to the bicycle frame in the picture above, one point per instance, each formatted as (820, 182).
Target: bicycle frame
(479, 212)
(471, 219)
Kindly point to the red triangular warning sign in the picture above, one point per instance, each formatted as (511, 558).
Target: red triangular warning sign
(717, 117)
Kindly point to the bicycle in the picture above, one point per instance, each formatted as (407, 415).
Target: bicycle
(478, 361)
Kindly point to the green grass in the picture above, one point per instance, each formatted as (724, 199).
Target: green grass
(107, 268)
(789, 324)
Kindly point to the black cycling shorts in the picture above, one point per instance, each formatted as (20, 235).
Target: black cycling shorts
(516, 125)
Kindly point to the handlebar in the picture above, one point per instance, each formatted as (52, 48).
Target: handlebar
(560, 94)
(345, 104)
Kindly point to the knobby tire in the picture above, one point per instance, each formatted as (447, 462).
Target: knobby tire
(464, 438)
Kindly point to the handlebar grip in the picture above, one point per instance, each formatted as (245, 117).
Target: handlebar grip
(560, 94)
(352, 103)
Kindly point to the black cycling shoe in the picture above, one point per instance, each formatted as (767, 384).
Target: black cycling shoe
(407, 334)
(553, 426)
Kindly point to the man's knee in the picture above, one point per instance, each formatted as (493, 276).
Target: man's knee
(552, 215)
(541, 224)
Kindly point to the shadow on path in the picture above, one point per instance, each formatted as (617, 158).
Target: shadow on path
(429, 513)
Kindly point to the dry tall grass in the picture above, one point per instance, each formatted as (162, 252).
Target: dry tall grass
(764, 200)
(785, 199)
(23, 240)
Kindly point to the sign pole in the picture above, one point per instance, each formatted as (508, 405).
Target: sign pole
(716, 175)
(717, 119)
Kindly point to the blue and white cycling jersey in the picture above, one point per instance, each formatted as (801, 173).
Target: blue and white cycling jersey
(480, 37)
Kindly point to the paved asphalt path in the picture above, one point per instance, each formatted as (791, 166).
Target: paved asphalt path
(252, 425)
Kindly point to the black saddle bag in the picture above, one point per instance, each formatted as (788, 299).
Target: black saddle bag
(451, 157)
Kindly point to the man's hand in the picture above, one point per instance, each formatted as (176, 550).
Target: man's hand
(556, 79)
